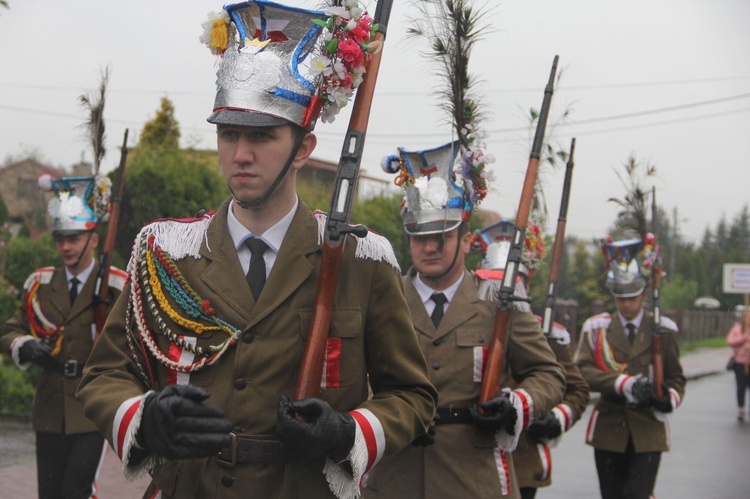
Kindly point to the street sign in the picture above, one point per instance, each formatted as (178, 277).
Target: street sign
(737, 278)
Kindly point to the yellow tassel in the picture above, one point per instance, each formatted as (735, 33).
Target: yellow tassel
(219, 36)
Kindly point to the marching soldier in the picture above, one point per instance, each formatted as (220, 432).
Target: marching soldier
(533, 457)
(468, 451)
(192, 378)
(54, 329)
(628, 427)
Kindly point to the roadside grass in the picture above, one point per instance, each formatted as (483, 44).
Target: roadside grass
(719, 342)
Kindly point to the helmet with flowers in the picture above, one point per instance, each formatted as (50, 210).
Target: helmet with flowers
(443, 185)
(282, 64)
(80, 203)
(494, 241)
(625, 277)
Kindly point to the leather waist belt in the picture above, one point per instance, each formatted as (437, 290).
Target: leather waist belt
(72, 369)
(452, 415)
(255, 449)
(614, 399)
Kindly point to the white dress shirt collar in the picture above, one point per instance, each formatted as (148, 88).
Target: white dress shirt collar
(82, 276)
(273, 237)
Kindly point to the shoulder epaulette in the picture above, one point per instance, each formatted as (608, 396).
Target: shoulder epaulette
(117, 278)
(559, 332)
(179, 237)
(371, 247)
(669, 325)
(42, 275)
(597, 321)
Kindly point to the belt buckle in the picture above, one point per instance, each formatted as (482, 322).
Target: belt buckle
(70, 368)
(232, 461)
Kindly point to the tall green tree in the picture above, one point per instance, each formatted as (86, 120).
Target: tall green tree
(587, 279)
(163, 181)
(162, 133)
(24, 255)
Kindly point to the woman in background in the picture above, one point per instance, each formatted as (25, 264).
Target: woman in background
(739, 339)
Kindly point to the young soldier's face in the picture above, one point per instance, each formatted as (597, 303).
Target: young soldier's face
(252, 157)
(630, 307)
(433, 256)
(76, 251)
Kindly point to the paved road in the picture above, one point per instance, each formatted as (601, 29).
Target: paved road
(18, 467)
(709, 457)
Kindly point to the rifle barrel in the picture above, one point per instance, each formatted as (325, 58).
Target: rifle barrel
(101, 287)
(496, 355)
(658, 358)
(337, 224)
(557, 248)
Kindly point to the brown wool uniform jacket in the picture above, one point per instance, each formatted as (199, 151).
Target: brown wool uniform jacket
(533, 459)
(55, 409)
(464, 461)
(613, 421)
(370, 322)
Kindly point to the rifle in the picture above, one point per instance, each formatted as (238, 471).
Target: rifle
(495, 359)
(337, 224)
(658, 343)
(557, 248)
(101, 286)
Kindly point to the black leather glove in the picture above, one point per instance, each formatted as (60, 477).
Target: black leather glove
(40, 354)
(497, 414)
(425, 439)
(642, 392)
(663, 404)
(324, 432)
(175, 424)
(547, 427)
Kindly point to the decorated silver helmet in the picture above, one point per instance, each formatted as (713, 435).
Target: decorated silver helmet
(80, 203)
(494, 241)
(282, 64)
(434, 201)
(442, 186)
(624, 276)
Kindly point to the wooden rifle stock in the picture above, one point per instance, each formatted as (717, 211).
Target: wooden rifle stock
(337, 223)
(557, 248)
(493, 370)
(657, 347)
(101, 286)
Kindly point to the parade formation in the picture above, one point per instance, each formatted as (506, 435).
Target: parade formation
(267, 349)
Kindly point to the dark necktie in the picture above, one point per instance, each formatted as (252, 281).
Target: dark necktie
(256, 273)
(631, 332)
(73, 291)
(437, 314)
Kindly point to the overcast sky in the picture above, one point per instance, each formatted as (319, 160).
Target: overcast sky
(666, 80)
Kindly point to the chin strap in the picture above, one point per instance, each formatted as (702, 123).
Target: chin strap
(301, 132)
(80, 255)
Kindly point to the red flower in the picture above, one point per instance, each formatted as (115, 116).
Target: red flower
(350, 52)
(361, 33)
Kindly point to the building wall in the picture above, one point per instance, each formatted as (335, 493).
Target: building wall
(25, 202)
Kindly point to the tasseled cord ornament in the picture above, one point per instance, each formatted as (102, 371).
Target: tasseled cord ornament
(216, 32)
